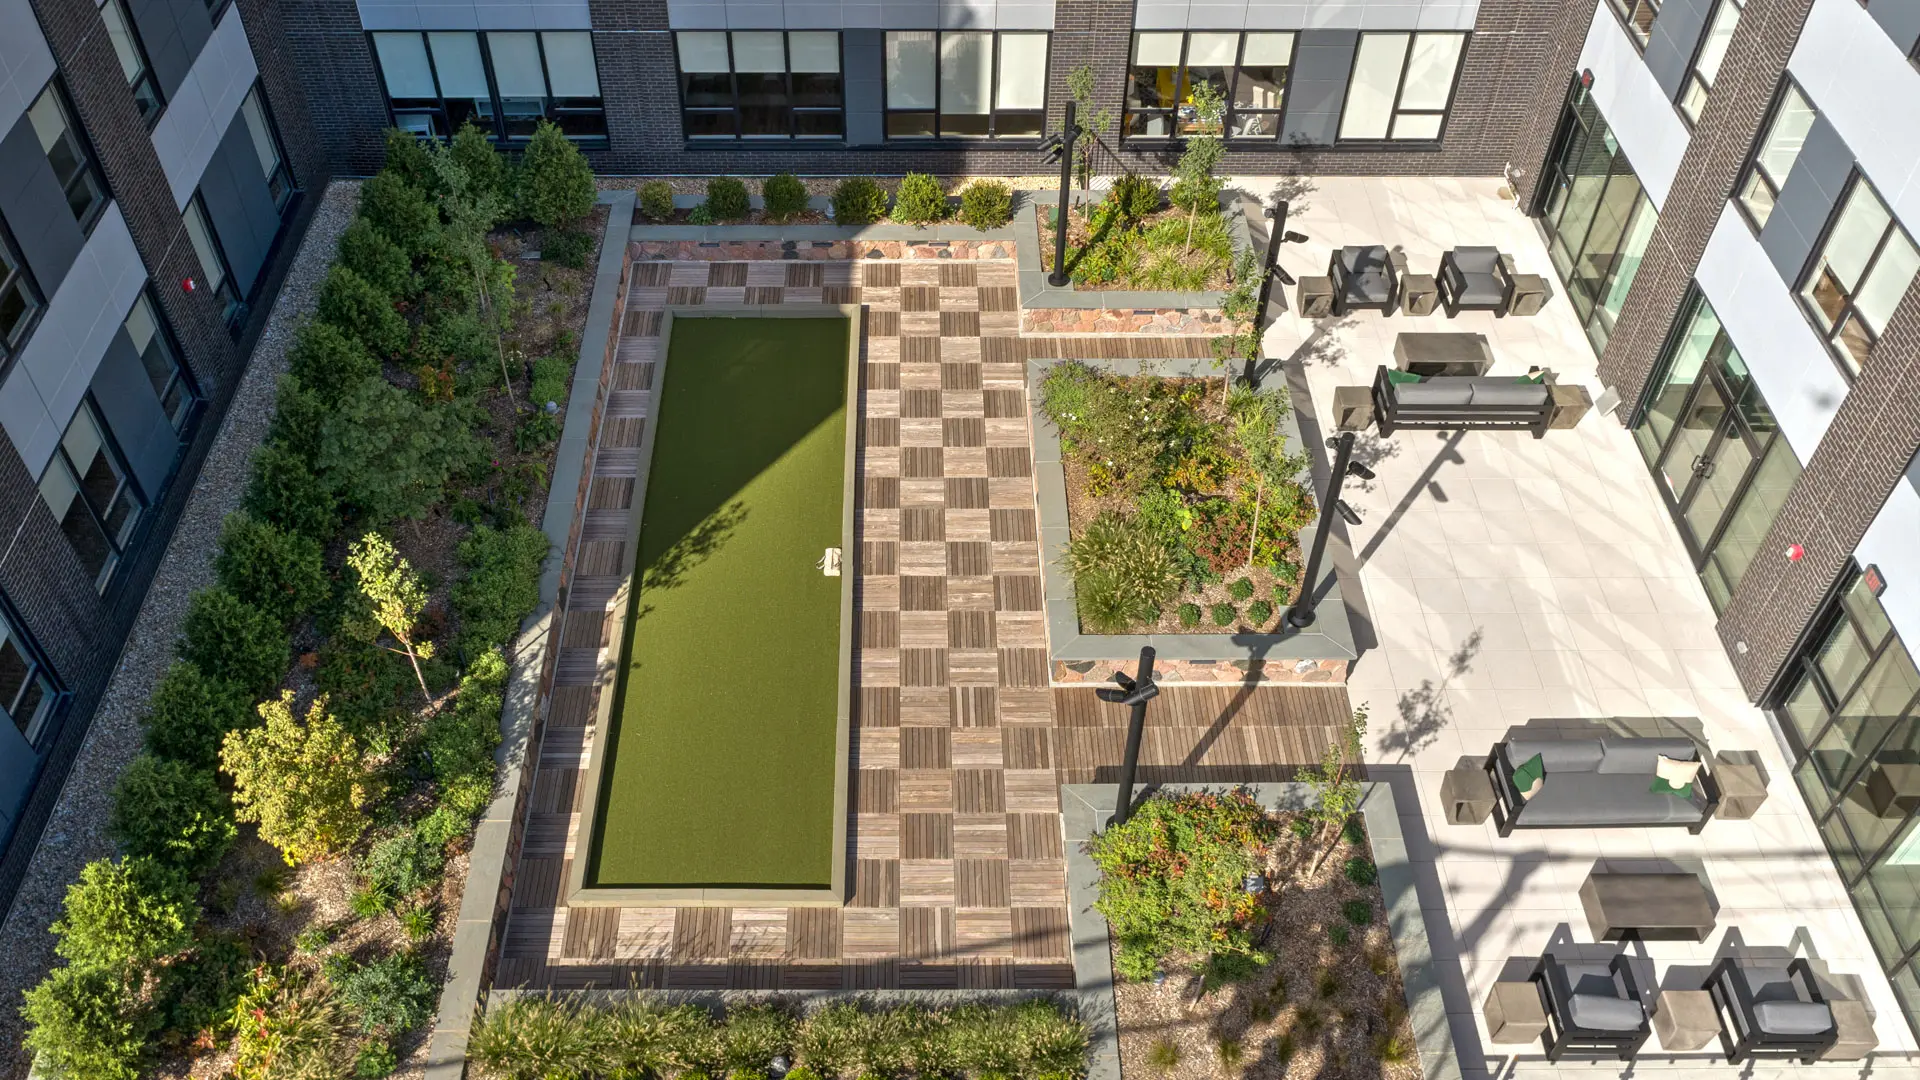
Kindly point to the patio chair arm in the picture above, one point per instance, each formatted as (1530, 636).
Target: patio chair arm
(1804, 972)
(1559, 991)
(1709, 787)
(1728, 972)
(1619, 966)
(1500, 776)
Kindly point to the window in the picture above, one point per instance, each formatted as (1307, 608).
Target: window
(761, 84)
(1773, 158)
(1707, 60)
(1248, 70)
(20, 301)
(87, 487)
(28, 693)
(505, 82)
(133, 59)
(1400, 86)
(266, 147)
(72, 165)
(1862, 270)
(162, 360)
(970, 84)
(1639, 16)
(1598, 220)
(213, 262)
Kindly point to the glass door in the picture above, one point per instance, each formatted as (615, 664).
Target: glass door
(1708, 459)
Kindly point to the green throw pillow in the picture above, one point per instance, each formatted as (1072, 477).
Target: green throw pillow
(1685, 791)
(1401, 378)
(1536, 378)
(1530, 770)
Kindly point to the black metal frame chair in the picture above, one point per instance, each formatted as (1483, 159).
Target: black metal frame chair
(1563, 1037)
(1452, 280)
(1337, 271)
(1740, 1034)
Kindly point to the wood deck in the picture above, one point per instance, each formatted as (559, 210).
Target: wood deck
(1198, 734)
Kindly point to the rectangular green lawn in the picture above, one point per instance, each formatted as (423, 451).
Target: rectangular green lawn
(721, 743)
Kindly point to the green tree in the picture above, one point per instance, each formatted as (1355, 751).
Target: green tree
(368, 252)
(1334, 783)
(389, 454)
(1093, 122)
(303, 783)
(1195, 187)
(172, 812)
(1256, 430)
(472, 207)
(407, 159)
(401, 210)
(230, 639)
(556, 181)
(485, 169)
(363, 311)
(395, 597)
(324, 358)
(499, 583)
(276, 570)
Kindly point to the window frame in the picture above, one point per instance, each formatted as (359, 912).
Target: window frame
(1624, 9)
(17, 632)
(1849, 312)
(145, 77)
(1752, 169)
(793, 136)
(234, 313)
(1394, 112)
(496, 126)
(994, 111)
(283, 168)
(83, 149)
(1233, 82)
(109, 574)
(20, 274)
(182, 376)
(1692, 75)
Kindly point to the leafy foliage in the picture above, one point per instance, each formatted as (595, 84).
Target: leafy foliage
(303, 783)
(391, 456)
(390, 994)
(986, 204)
(499, 583)
(287, 491)
(291, 1026)
(230, 639)
(857, 200)
(656, 200)
(568, 247)
(382, 263)
(1224, 614)
(401, 210)
(556, 184)
(325, 357)
(1361, 871)
(727, 199)
(1333, 782)
(920, 201)
(86, 1025)
(785, 197)
(190, 711)
(550, 375)
(1122, 574)
(123, 914)
(361, 310)
(1136, 197)
(276, 571)
(172, 812)
(474, 153)
(394, 599)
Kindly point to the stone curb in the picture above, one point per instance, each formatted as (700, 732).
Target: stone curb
(1084, 810)
(488, 884)
(1329, 638)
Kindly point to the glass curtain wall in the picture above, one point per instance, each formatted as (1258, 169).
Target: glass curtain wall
(1597, 217)
(1851, 707)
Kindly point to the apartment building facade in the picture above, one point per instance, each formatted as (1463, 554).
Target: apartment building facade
(151, 165)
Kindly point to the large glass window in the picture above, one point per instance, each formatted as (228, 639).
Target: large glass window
(171, 384)
(1708, 58)
(20, 301)
(1862, 270)
(968, 84)
(761, 84)
(213, 262)
(133, 58)
(1639, 16)
(1774, 155)
(87, 487)
(1400, 86)
(1248, 70)
(28, 692)
(505, 82)
(266, 146)
(1598, 220)
(72, 164)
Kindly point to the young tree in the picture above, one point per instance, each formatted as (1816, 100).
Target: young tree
(1336, 790)
(396, 597)
(1091, 121)
(1194, 185)
(472, 206)
(556, 181)
(1238, 306)
(304, 783)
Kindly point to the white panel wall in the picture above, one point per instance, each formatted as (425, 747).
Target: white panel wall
(1857, 78)
(53, 372)
(1892, 543)
(25, 61)
(1794, 371)
(478, 15)
(199, 112)
(860, 14)
(1300, 15)
(1646, 123)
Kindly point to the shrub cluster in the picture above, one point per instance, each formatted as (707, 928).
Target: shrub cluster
(785, 196)
(986, 204)
(858, 201)
(920, 201)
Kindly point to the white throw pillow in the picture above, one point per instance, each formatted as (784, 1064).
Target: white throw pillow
(1676, 773)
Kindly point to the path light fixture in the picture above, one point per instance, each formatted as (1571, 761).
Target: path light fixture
(1301, 615)
(1134, 692)
(1277, 236)
(1059, 147)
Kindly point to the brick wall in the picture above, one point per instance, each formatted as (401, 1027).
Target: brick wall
(1540, 121)
(333, 66)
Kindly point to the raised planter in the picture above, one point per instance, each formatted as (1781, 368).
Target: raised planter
(943, 240)
(1319, 653)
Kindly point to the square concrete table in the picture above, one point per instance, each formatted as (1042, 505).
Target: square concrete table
(1530, 293)
(1467, 796)
(1514, 1014)
(1419, 294)
(1315, 296)
(1741, 790)
(1352, 408)
(1669, 905)
(1685, 1019)
(1571, 403)
(1856, 1031)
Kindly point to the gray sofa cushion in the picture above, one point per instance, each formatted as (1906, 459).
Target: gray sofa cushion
(1598, 799)
(1498, 390)
(1792, 1017)
(1439, 390)
(1476, 260)
(1630, 755)
(1367, 280)
(1558, 755)
(1598, 1013)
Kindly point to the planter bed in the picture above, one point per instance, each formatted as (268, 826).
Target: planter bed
(1072, 309)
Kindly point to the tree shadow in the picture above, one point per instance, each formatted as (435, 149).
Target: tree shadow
(1424, 710)
(669, 570)
(1294, 189)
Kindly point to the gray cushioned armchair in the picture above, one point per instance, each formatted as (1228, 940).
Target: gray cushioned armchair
(1593, 1010)
(1770, 1009)
(1476, 278)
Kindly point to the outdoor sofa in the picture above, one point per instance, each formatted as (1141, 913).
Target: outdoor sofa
(1592, 1010)
(1604, 782)
(1770, 1009)
(1404, 400)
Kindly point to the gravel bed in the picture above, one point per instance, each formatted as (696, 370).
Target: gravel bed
(77, 832)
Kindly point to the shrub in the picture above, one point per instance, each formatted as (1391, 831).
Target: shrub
(85, 1024)
(376, 1060)
(537, 432)
(1240, 589)
(986, 204)
(920, 201)
(173, 813)
(785, 196)
(324, 357)
(755, 1033)
(499, 583)
(656, 200)
(1339, 934)
(401, 865)
(402, 211)
(536, 1038)
(291, 1026)
(285, 490)
(362, 311)
(727, 199)
(190, 712)
(1357, 912)
(700, 215)
(1189, 615)
(368, 252)
(1361, 871)
(124, 914)
(304, 784)
(567, 246)
(1134, 197)
(276, 571)
(1354, 830)
(857, 200)
(1259, 612)
(486, 170)
(1122, 574)
(196, 992)
(556, 183)
(459, 336)
(1223, 614)
(391, 456)
(550, 375)
(391, 994)
(1164, 1054)
(407, 159)
(228, 638)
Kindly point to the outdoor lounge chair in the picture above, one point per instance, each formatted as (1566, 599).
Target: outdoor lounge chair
(1476, 278)
(1363, 277)
(1593, 1010)
(1768, 1009)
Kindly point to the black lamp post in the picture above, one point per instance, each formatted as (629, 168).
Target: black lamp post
(1279, 235)
(1301, 615)
(1059, 147)
(1135, 692)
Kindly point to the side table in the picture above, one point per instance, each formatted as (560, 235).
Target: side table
(1315, 296)
(1352, 408)
(1530, 293)
(1419, 294)
(1514, 1014)
(1467, 796)
(1741, 789)
(1685, 1019)
(1856, 1031)
(1571, 402)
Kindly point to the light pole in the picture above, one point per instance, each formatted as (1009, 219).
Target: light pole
(1279, 235)
(1136, 692)
(1301, 615)
(1061, 143)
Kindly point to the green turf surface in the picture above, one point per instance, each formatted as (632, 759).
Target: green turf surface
(722, 763)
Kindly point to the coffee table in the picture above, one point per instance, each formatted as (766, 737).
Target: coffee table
(1443, 354)
(1649, 906)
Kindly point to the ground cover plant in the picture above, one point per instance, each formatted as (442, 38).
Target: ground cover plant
(293, 837)
(538, 1037)
(1177, 501)
(1297, 979)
